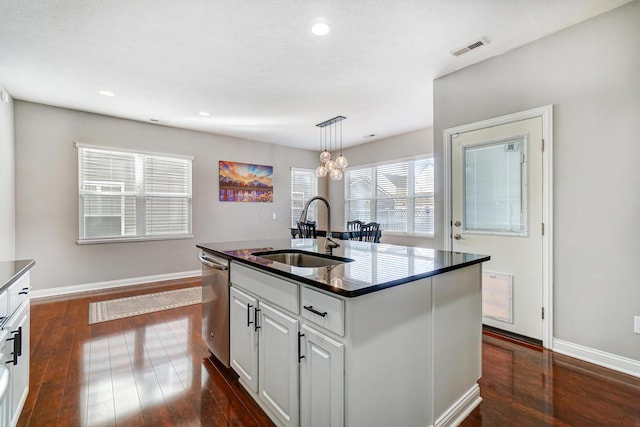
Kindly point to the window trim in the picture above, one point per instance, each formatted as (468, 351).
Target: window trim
(374, 199)
(136, 238)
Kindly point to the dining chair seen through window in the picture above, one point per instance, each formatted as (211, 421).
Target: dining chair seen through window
(370, 232)
(353, 228)
(307, 230)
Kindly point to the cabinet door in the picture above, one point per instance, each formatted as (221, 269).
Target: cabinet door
(322, 380)
(243, 337)
(278, 367)
(5, 399)
(18, 328)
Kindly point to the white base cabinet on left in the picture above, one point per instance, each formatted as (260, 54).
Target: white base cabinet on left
(15, 312)
(17, 359)
(264, 354)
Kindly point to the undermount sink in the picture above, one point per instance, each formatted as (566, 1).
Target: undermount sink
(299, 258)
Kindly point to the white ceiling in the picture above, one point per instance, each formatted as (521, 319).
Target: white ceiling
(255, 66)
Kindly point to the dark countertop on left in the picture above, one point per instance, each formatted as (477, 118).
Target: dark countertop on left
(10, 271)
(375, 267)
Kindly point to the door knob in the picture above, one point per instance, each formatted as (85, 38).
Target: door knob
(457, 236)
(457, 223)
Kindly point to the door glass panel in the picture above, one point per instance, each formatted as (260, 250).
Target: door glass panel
(495, 187)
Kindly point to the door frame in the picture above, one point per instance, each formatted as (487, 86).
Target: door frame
(546, 113)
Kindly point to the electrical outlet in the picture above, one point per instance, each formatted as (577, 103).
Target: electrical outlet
(274, 215)
(636, 324)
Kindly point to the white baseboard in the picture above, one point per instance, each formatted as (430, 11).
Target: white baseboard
(64, 290)
(601, 358)
(461, 409)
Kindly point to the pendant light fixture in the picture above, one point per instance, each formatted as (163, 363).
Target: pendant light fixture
(329, 137)
(324, 156)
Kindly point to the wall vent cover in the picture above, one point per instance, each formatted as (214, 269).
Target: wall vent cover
(474, 45)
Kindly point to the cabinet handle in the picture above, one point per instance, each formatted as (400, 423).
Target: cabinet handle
(314, 311)
(24, 291)
(249, 322)
(14, 360)
(255, 318)
(300, 356)
(18, 343)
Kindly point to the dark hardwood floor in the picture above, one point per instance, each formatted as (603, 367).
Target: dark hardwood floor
(153, 370)
(527, 386)
(147, 370)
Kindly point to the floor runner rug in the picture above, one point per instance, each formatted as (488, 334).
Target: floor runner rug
(103, 311)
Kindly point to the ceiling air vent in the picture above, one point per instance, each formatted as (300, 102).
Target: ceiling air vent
(476, 44)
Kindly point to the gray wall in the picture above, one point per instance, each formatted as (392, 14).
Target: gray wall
(47, 199)
(590, 72)
(7, 182)
(399, 147)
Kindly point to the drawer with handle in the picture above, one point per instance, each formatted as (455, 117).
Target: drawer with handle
(323, 310)
(18, 292)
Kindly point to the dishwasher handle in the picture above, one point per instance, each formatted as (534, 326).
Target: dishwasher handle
(210, 262)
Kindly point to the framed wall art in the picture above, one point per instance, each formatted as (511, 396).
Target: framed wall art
(244, 182)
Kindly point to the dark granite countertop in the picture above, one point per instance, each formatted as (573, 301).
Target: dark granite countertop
(10, 271)
(375, 267)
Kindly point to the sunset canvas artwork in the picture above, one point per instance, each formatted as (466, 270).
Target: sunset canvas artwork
(243, 182)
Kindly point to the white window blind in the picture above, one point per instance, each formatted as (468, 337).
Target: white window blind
(397, 195)
(495, 187)
(126, 195)
(304, 185)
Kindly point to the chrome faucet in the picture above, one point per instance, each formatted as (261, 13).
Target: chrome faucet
(329, 243)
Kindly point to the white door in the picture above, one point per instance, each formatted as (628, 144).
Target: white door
(243, 337)
(278, 364)
(497, 202)
(321, 380)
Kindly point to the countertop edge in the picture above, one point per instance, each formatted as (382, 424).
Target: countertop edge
(29, 264)
(342, 292)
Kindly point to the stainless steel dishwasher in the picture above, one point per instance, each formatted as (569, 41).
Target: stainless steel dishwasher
(215, 305)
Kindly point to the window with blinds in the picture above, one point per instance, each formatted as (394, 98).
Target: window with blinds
(397, 195)
(126, 195)
(304, 185)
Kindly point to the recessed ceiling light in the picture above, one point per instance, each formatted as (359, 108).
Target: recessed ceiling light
(106, 93)
(320, 29)
(204, 114)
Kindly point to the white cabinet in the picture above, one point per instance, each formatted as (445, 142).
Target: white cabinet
(15, 348)
(296, 373)
(244, 337)
(321, 380)
(17, 359)
(264, 352)
(5, 383)
(278, 363)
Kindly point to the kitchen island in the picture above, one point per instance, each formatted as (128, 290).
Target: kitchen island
(386, 335)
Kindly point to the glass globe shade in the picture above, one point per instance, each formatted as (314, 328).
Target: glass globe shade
(325, 156)
(341, 162)
(336, 174)
(330, 165)
(321, 171)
